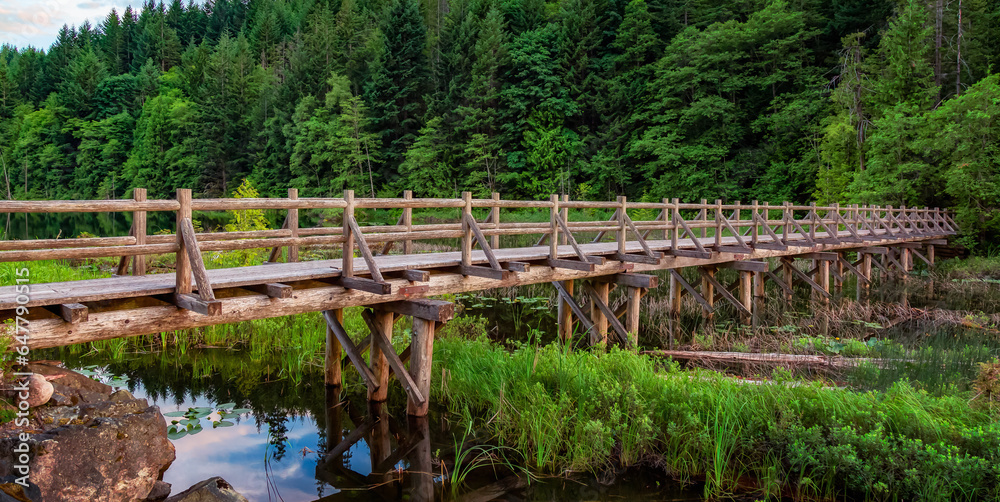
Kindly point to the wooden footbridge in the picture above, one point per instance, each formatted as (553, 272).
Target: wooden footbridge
(379, 266)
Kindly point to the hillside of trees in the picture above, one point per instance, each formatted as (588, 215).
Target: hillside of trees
(853, 101)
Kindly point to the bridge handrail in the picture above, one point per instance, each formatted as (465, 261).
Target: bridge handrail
(755, 222)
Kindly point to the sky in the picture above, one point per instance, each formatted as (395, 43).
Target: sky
(37, 22)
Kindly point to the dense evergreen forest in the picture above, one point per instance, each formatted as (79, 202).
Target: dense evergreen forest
(854, 101)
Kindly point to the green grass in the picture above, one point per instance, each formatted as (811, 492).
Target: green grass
(582, 411)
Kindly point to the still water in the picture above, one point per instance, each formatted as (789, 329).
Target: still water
(303, 442)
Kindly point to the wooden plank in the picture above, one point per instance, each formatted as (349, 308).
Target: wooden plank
(72, 313)
(431, 310)
(193, 303)
(685, 253)
(487, 272)
(272, 290)
(638, 258)
(631, 280)
(818, 256)
(352, 351)
(385, 345)
(415, 275)
(874, 250)
(517, 266)
(196, 263)
(734, 249)
(571, 264)
(363, 284)
(745, 265)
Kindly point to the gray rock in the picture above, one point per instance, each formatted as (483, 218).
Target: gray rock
(39, 390)
(211, 490)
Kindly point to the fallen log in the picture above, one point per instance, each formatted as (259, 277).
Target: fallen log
(775, 359)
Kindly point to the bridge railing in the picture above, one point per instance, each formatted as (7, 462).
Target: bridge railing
(698, 228)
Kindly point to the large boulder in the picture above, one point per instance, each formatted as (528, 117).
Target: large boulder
(211, 490)
(100, 445)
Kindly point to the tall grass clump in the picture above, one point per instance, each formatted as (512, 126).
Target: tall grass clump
(581, 411)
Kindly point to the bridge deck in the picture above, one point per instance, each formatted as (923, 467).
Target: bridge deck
(92, 290)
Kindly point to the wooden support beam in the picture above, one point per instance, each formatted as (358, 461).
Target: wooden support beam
(708, 274)
(333, 321)
(631, 280)
(377, 323)
(565, 314)
(182, 268)
(364, 284)
(421, 357)
(517, 266)
(570, 264)
(781, 282)
(823, 274)
(857, 273)
(332, 373)
(430, 310)
(273, 290)
(481, 239)
(486, 272)
(805, 278)
(818, 256)
(139, 232)
(598, 293)
(874, 250)
(734, 249)
(746, 295)
(708, 291)
(195, 261)
(415, 275)
(193, 303)
(638, 258)
(745, 265)
(687, 253)
(72, 313)
(691, 291)
(567, 297)
(633, 306)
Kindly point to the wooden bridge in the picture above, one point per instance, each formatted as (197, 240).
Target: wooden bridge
(379, 266)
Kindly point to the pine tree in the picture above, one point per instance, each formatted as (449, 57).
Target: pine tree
(398, 80)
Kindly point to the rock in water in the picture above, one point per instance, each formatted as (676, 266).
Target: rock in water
(107, 448)
(211, 490)
(39, 390)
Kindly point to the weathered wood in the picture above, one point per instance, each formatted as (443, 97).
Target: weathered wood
(632, 308)
(565, 314)
(332, 372)
(369, 285)
(487, 272)
(805, 278)
(193, 303)
(378, 324)
(631, 280)
(818, 256)
(746, 265)
(366, 252)
(333, 321)
(347, 259)
(293, 225)
(73, 313)
(415, 275)
(691, 291)
(431, 310)
(517, 266)
(638, 258)
(195, 261)
(272, 290)
(481, 239)
(183, 263)
(760, 358)
(421, 358)
(139, 232)
(567, 297)
(571, 264)
(746, 295)
(713, 284)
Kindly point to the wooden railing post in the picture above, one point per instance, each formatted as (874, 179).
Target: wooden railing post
(183, 266)
(622, 215)
(408, 222)
(812, 220)
(703, 216)
(466, 229)
(564, 239)
(293, 225)
(754, 230)
(675, 218)
(666, 219)
(718, 224)
(347, 268)
(139, 231)
(495, 218)
(787, 215)
(554, 227)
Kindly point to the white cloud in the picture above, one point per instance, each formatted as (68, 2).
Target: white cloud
(37, 22)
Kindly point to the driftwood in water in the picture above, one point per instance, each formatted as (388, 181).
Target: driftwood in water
(774, 359)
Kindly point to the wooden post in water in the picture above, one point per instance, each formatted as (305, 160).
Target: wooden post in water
(332, 370)
(139, 227)
(183, 267)
(421, 355)
(379, 363)
(421, 471)
(408, 222)
(566, 314)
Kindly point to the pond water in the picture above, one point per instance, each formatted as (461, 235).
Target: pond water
(278, 450)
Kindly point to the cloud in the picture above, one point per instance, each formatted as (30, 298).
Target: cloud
(37, 23)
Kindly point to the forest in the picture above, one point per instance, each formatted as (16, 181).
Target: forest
(851, 101)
